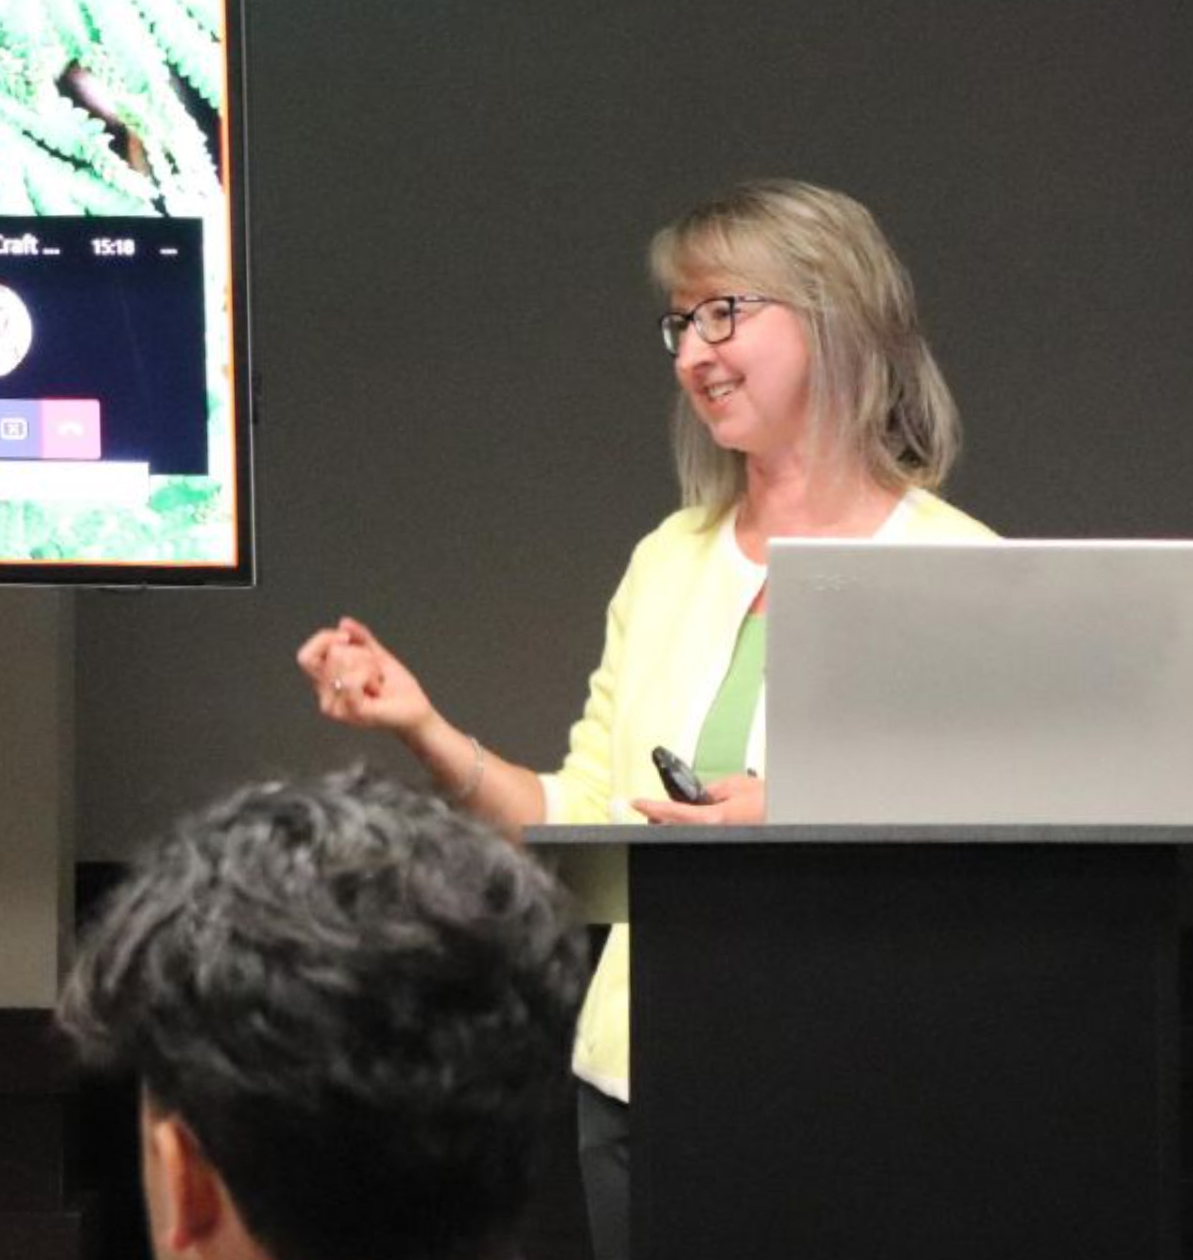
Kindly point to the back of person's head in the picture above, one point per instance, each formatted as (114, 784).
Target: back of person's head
(874, 379)
(360, 1004)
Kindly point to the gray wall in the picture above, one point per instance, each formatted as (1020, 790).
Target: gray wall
(37, 798)
(465, 406)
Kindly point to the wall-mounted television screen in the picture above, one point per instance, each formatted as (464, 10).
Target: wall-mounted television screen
(125, 451)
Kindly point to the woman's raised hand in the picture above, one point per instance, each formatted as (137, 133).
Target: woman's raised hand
(360, 682)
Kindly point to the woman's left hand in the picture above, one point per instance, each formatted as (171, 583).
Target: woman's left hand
(737, 801)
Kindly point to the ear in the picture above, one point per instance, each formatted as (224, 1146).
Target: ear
(190, 1204)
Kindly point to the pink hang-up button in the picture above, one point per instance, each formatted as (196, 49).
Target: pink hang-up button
(70, 428)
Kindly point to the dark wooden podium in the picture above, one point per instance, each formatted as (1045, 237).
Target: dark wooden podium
(854, 1043)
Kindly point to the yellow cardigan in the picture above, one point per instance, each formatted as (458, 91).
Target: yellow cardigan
(669, 638)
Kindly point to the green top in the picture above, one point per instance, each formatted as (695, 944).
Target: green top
(725, 735)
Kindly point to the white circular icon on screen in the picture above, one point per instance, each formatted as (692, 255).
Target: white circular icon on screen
(16, 330)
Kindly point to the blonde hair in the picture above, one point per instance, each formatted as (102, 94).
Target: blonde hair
(874, 379)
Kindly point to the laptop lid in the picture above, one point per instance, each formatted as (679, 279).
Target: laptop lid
(961, 682)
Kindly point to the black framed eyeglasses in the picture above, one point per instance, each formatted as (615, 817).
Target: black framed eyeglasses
(714, 319)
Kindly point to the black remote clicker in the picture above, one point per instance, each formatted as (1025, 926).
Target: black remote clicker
(679, 779)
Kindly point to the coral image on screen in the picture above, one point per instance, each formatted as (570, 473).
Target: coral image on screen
(119, 441)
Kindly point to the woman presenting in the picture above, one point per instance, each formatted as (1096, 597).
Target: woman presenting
(809, 405)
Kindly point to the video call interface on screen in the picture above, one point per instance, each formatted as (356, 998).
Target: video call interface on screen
(101, 356)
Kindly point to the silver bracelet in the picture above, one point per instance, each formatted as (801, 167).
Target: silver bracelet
(475, 775)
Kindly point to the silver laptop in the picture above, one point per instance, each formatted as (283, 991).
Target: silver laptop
(1001, 682)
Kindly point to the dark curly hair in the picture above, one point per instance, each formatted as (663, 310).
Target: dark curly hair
(360, 1002)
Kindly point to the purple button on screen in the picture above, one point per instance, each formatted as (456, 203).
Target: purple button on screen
(20, 428)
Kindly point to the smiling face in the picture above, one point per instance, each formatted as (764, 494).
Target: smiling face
(753, 391)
